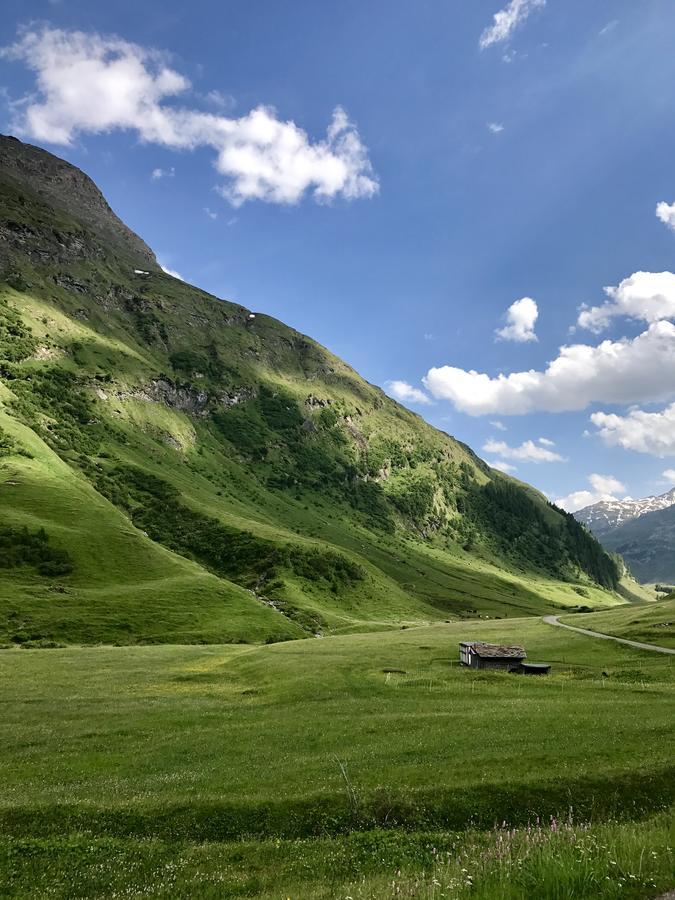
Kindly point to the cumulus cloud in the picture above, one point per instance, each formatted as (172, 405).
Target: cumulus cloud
(521, 317)
(500, 426)
(406, 393)
(526, 452)
(502, 466)
(576, 500)
(644, 432)
(646, 296)
(669, 475)
(604, 487)
(495, 127)
(627, 371)
(606, 484)
(545, 442)
(665, 213)
(507, 20)
(210, 213)
(88, 83)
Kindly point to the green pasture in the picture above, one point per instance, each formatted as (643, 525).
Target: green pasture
(195, 755)
(652, 624)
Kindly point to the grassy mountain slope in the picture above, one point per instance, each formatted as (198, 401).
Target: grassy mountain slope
(647, 544)
(201, 472)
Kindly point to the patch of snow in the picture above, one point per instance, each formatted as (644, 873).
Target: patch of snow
(609, 514)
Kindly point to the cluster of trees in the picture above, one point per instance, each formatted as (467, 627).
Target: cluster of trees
(512, 523)
(156, 507)
(300, 452)
(60, 395)
(21, 547)
(16, 340)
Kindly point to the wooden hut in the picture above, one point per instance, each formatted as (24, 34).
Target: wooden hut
(479, 655)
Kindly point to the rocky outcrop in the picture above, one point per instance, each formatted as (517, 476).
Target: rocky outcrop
(60, 184)
(182, 397)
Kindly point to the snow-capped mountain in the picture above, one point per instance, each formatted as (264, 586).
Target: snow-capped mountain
(607, 515)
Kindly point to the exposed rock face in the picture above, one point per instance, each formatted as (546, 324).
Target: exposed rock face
(64, 186)
(183, 397)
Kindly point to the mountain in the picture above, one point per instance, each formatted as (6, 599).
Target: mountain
(177, 468)
(606, 515)
(647, 544)
(642, 531)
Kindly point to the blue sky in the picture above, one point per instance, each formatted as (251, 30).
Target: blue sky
(472, 162)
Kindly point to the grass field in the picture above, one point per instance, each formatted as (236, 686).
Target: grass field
(652, 624)
(301, 769)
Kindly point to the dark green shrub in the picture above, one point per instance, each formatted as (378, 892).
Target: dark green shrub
(21, 547)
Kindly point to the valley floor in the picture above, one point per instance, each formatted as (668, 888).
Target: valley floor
(365, 765)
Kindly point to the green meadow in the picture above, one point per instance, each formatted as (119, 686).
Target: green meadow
(364, 765)
(651, 624)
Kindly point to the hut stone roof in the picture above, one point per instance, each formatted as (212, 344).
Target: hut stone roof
(495, 651)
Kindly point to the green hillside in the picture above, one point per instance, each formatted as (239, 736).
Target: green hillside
(175, 468)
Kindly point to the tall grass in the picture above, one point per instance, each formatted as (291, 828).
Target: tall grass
(546, 861)
(552, 860)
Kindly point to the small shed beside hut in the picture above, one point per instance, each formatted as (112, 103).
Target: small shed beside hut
(479, 655)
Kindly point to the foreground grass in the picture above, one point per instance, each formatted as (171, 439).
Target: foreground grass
(548, 860)
(367, 765)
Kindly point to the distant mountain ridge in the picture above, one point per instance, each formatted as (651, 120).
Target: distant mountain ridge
(648, 545)
(604, 516)
(641, 531)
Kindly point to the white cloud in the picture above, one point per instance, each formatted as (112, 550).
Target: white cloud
(500, 426)
(627, 371)
(495, 127)
(87, 83)
(669, 475)
(666, 213)
(220, 100)
(646, 296)
(406, 393)
(158, 174)
(502, 466)
(545, 442)
(604, 487)
(171, 272)
(210, 213)
(576, 500)
(507, 20)
(526, 452)
(610, 26)
(606, 484)
(521, 317)
(644, 432)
